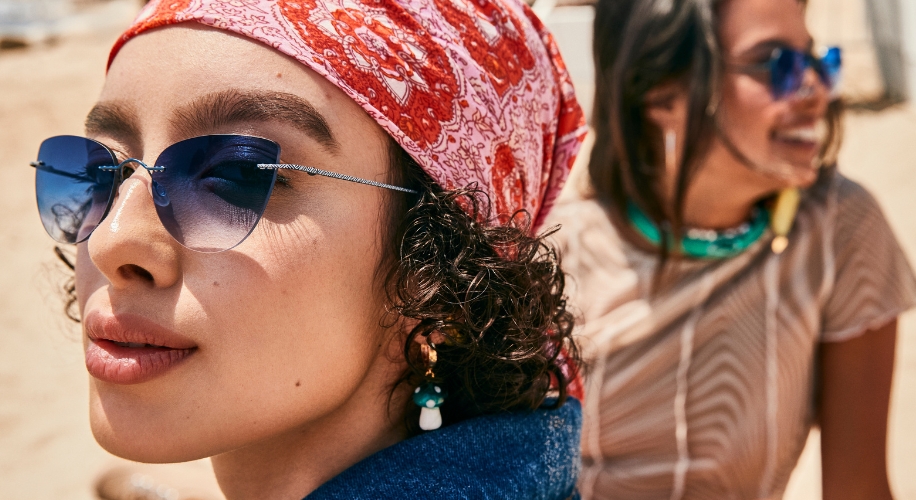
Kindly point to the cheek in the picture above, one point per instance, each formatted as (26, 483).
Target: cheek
(295, 331)
(752, 113)
(302, 290)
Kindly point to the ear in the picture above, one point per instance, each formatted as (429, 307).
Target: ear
(666, 105)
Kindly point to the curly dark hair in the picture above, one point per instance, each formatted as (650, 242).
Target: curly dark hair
(492, 290)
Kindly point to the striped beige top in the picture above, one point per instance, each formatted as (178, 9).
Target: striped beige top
(705, 390)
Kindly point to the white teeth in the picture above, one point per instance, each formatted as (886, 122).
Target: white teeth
(806, 134)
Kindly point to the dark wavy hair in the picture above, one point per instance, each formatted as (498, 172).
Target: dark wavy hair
(638, 45)
(493, 291)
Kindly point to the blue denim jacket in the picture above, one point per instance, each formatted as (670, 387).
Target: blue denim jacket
(530, 456)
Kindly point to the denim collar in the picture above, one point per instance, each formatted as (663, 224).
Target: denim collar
(531, 455)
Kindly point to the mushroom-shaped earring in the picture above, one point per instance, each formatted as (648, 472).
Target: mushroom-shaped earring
(429, 396)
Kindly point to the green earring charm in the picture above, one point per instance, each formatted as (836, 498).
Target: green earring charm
(429, 396)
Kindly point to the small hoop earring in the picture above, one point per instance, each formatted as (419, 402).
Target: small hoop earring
(429, 396)
(670, 150)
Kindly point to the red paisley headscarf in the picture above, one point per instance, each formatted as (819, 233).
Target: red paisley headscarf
(474, 90)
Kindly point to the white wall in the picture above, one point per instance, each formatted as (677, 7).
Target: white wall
(908, 13)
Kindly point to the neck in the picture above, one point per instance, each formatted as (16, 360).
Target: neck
(722, 193)
(714, 209)
(295, 463)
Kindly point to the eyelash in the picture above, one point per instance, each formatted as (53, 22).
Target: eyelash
(283, 180)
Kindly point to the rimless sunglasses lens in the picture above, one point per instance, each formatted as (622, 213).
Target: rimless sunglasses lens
(211, 193)
(787, 72)
(73, 192)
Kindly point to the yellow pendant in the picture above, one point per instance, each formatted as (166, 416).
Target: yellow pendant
(783, 216)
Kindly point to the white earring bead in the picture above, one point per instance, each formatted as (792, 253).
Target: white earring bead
(430, 418)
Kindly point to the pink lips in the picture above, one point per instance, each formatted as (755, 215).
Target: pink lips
(128, 349)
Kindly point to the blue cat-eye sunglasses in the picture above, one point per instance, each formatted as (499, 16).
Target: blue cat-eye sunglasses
(209, 191)
(787, 69)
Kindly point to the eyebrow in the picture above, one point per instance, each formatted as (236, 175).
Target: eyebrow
(229, 107)
(219, 109)
(772, 44)
(116, 119)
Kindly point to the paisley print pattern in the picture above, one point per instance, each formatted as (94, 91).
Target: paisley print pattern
(507, 179)
(494, 39)
(474, 90)
(412, 81)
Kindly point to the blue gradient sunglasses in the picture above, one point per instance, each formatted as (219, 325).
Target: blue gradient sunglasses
(787, 69)
(209, 192)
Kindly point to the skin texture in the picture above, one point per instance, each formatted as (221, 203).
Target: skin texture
(291, 375)
(855, 375)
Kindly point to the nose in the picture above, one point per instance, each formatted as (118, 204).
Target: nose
(812, 88)
(130, 247)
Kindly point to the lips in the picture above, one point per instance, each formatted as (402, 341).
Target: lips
(128, 349)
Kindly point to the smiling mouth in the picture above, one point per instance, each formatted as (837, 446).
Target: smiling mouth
(806, 135)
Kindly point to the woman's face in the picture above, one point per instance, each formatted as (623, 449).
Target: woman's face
(274, 336)
(780, 138)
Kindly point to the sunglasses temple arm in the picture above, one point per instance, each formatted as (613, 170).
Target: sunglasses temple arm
(48, 168)
(335, 175)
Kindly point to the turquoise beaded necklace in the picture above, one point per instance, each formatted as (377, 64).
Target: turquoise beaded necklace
(705, 243)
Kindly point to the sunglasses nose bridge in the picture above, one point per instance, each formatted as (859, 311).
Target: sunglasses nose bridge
(811, 85)
(151, 185)
(126, 163)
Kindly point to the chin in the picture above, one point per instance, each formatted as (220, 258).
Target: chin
(138, 432)
(807, 182)
(792, 174)
(803, 176)
(141, 448)
(139, 445)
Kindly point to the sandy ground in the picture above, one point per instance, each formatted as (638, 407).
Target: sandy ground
(46, 448)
